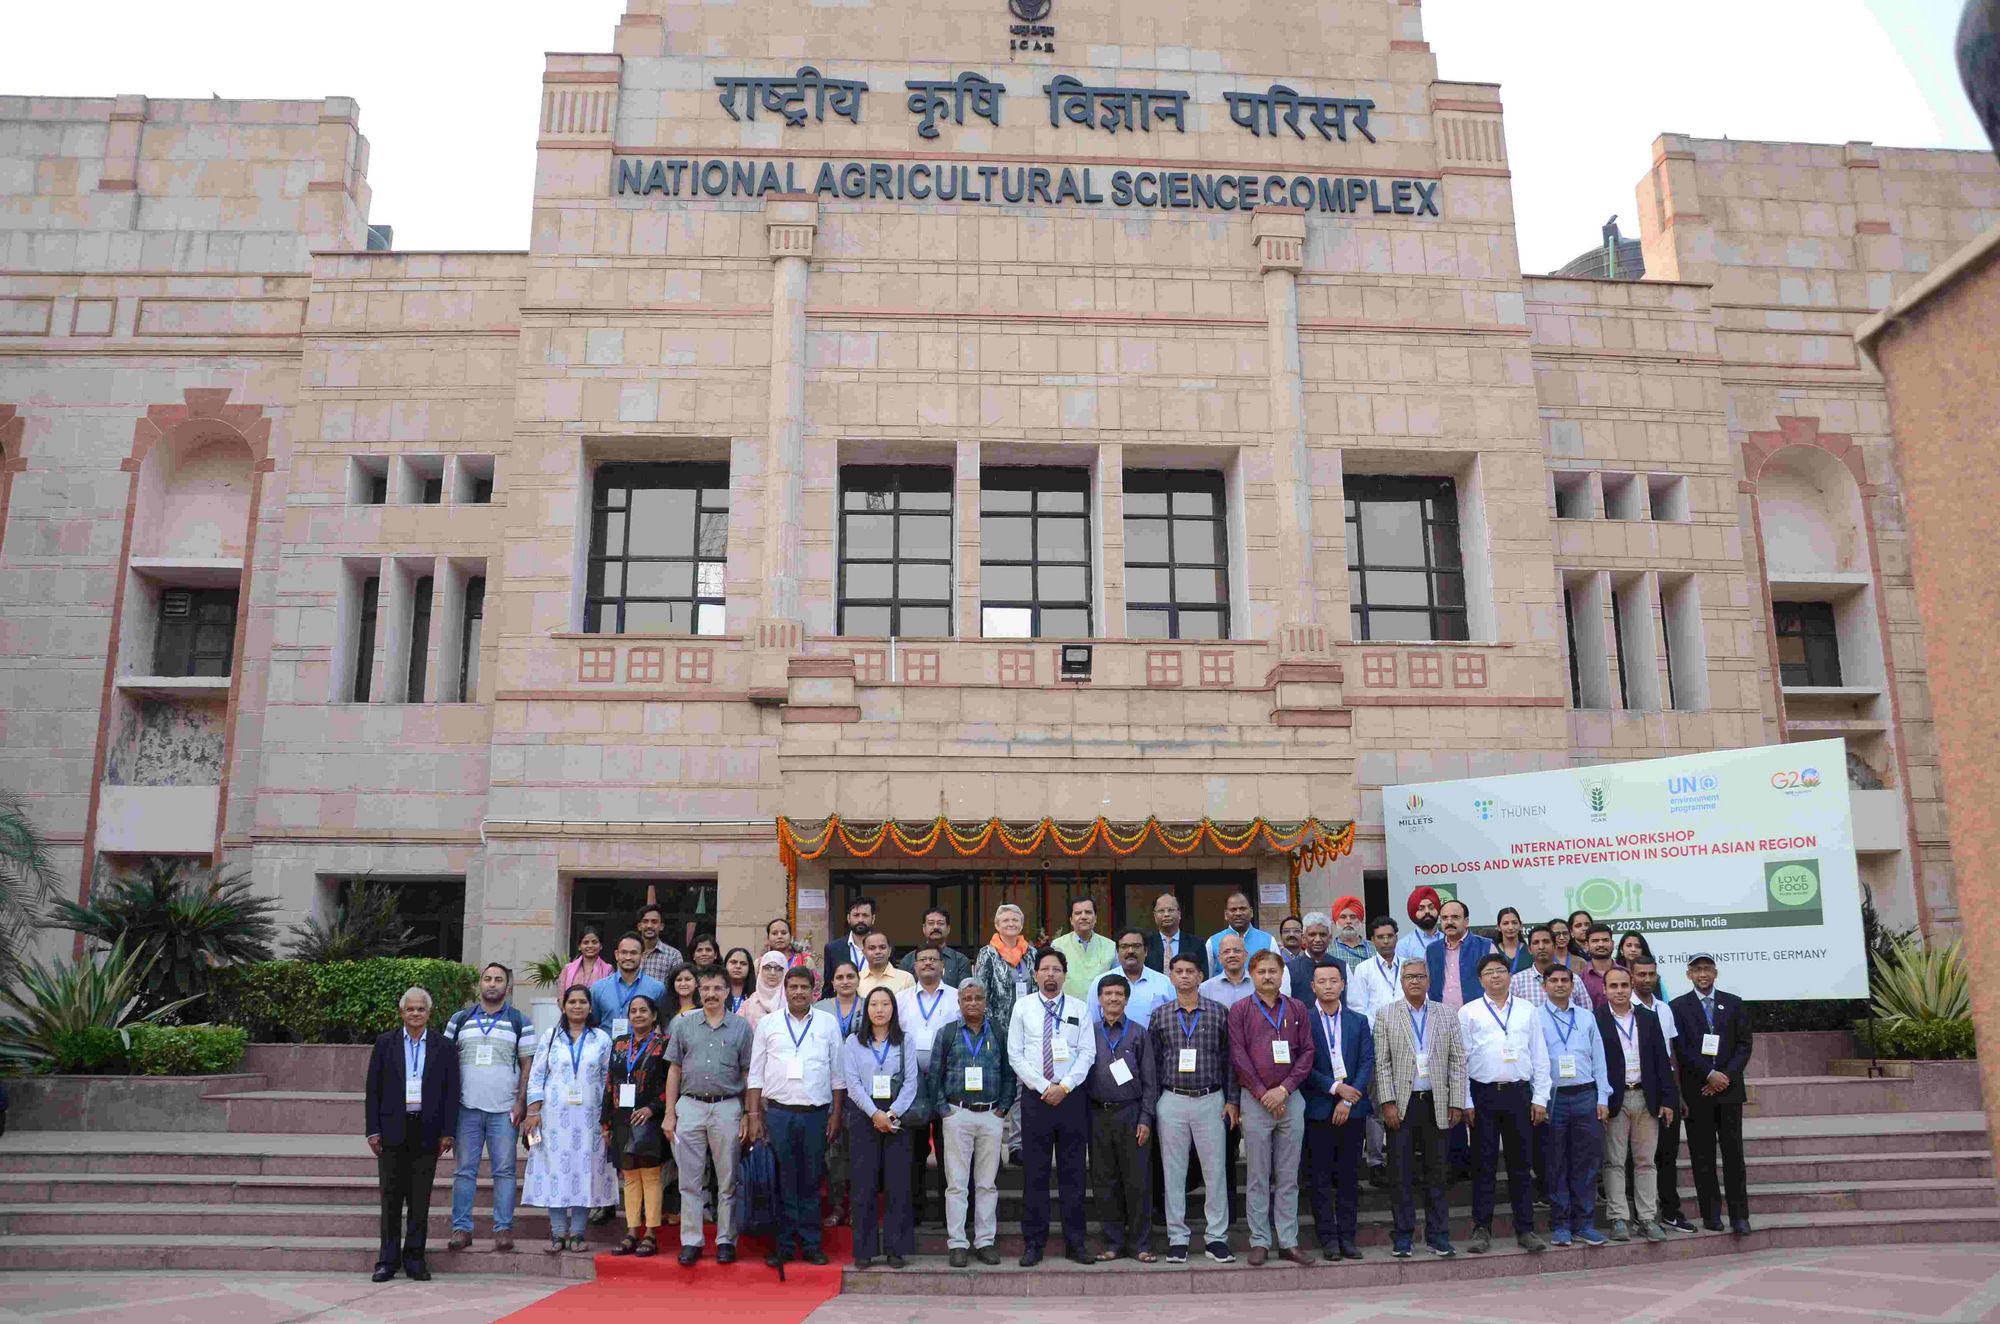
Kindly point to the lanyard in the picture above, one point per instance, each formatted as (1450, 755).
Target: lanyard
(1188, 1027)
(936, 998)
(881, 1054)
(798, 1039)
(485, 1024)
(974, 1047)
(1278, 1025)
(1630, 1036)
(1388, 971)
(413, 1062)
(1123, 1028)
(1419, 1023)
(846, 1017)
(1331, 1024)
(633, 1054)
(576, 1043)
(1564, 1030)
(1505, 1025)
(735, 1002)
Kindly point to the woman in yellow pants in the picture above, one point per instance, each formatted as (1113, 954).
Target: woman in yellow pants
(634, 1095)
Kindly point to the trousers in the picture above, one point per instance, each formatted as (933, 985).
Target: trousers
(406, 1173)
(798, 1142)
(1333, 1158)
(1500, 1120)
(1185, 1124)
(705, 1137)
(1573, 1141)
(494, 1133)
(972, 1144)
(1061, 1132)
(645, 1198)
(1632, 1130)
(1271, 1147)
(1419, 1139)
(878, 1169)
(1122, 1175)
(1716, 1121)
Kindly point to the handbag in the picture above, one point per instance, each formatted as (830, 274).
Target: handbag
(645, 1146)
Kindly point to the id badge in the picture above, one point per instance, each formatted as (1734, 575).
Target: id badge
(881, 1086)
(975, 1080)
(573, 1096)
(1339, 1069)
(1566, 1066)
(795, 1068)
(482, 1055)
(628, 1095)
(413, 1091)
(1059, 1050)
(1281, 1052)
(1423, 1064)
(620, 1027)
(1187, 1059)
(1507, 1053)
(1120, 1073)
(1711, 1044)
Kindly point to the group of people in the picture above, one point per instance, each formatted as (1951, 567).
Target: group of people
(1334, 1052)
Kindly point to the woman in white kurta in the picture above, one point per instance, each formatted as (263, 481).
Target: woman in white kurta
(568, 1173)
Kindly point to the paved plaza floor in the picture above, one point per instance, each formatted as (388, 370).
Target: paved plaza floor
(1924, 1283)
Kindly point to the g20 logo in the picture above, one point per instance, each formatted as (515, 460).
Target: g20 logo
(1796, 779)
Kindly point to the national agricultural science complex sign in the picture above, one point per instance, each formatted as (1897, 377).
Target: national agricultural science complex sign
(1746, 853)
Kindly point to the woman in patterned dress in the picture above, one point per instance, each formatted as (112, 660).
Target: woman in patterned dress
(567, 1171)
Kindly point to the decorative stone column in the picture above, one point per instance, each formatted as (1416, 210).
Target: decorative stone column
(790, 222)
(1280, 235)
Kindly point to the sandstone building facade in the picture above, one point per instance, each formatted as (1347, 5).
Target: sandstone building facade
(820, 422)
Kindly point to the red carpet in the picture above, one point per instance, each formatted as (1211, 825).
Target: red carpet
(748, 1291)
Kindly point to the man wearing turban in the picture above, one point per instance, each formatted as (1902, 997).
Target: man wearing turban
(1423, 908)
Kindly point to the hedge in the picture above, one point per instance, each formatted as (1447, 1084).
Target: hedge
(150, 1050)
(1918, 1041)
(339, 1002)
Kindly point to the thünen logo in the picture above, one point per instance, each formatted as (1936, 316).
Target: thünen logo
(1485, 808)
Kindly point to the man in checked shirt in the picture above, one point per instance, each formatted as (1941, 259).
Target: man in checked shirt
(1197, 1105)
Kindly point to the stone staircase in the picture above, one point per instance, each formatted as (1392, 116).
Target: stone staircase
(271, 1176)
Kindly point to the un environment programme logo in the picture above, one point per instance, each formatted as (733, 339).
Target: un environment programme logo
(1793, 884)
(1604, 897)
(1691, 794)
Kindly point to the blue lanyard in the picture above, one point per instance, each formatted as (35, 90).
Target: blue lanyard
(633, 1054)
(799, 1038)
(1505, 1025)
(1388, 972)
(1629, 1036)
(936, 998)
(1051, 1012)
(847, 1018)
(576, 1054)
(485, 1024)
(1331, 1024)
(1123, 1028)
(881, 1054)
(1188, 1027)
(413, 1062)
(1278, 1025)
(1564, 1030)
(735, 1002)
(1420, 1023)
(974, 1048)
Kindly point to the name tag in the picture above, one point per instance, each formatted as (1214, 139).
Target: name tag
(1187, 1059)
(1423, 1064)
(620, 1027)
(1120, 1073)
(628, 1096)
(573, 1096)
(1507, 1053)
(413, 1091)
(1339, 1069)
(795, 1068)
(482, 1056)
(1711, 1044)
(1566, 1066)
(1281, 1052)
(881, 1086)
(1059, 1050)
(975, 1080)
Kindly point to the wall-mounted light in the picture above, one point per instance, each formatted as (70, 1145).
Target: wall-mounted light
(1075, 662)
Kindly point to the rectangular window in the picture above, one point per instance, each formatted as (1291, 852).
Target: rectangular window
(611, 906)
(197, 634)
(659, 536)
(468, 639)
(1405, 577)
(1176, 555)
(420, 638)
(1034, 553)
(364, 651)
(895, 551)
(1808, 644)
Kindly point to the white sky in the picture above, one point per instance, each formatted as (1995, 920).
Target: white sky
(450, 91)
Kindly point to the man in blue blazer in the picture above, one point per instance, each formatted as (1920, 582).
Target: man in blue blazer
(1644, 1098)
(1712, 1042)
(410, 1114)
(1464, 948)
(1337, 1109)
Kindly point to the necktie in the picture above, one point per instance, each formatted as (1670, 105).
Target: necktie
(1708, 1011)
(1048, 1045)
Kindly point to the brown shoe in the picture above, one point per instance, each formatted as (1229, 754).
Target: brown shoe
(459, 1241)
(1258, 1255)
(1294, 1254)
(503, 1241)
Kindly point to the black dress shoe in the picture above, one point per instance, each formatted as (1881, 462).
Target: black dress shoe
(417, 1271)
(959, 1257)
(384, 1272)
(690, 1255)
(1712, 1224)
(897, 1262)
(1349, 1251)
(814, 1256)
(1080, 1257)
(725, 1253)
(1740, 1226)
(1031, 1257)
(987, 1255)
(864, 1262)
(776, 1259)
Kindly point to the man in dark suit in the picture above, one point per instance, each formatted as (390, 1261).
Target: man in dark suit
(1712, 1029)
(411, 1114)
(1644, 1097)
(1168, 940)
(847, 947)
(1337, 1110)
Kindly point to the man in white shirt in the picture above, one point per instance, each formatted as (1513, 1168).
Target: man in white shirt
(793, 1095)
(1667, 1157)
(1376, 984)
(1507, 1065)
(1050, 1045)
(922, 1010)
(1149, 988)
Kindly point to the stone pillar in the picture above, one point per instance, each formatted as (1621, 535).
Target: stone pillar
(790, 222)
(1280, 235)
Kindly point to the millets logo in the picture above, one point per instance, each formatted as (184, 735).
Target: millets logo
(1414, 818)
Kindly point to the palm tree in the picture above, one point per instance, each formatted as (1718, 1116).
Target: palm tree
(187, 920)
(27, 880)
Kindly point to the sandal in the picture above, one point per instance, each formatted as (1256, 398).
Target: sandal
(627, 1246)
(1106, 1256)
(1146, 1257)
(554, 1247)
(577, 1243)
(647, 1246)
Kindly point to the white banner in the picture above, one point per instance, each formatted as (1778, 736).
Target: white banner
(1745, 853)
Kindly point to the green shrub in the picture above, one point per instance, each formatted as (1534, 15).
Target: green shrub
(191, 920)
(1922, 984)
(53, 1003)
(364, 926)
(343, 1002)
(187, 1050)
(1919, 1041)
(88, 1050)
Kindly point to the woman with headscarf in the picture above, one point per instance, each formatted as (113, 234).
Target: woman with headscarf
(770, 992)
(1006, 970)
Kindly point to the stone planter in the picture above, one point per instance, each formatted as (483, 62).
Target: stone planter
(121, 1103)
(1933, 1086)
